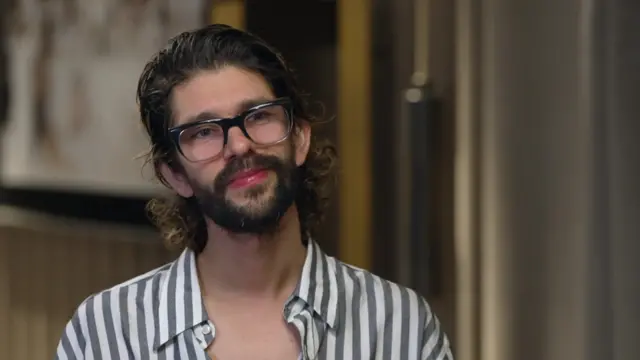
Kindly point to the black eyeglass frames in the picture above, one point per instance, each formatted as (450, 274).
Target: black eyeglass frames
(266, 124)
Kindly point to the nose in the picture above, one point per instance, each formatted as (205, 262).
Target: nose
(237, 143)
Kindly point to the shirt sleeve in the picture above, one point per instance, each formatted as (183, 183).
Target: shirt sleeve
(435, 345)
(73, 341)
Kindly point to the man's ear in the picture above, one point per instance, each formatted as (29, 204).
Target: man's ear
(176, 180)
(302, 140)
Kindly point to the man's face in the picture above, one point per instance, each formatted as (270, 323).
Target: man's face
(247, 188)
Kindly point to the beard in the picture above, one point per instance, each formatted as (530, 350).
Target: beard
(261, 212)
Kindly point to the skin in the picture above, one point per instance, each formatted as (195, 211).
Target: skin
(243, 277)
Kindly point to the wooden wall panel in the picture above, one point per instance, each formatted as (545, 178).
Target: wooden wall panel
(4, 299)
(44, 276)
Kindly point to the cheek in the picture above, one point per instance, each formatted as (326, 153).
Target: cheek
(204, 173)
(282, 151)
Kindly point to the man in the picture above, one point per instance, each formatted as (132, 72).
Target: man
(231, 136)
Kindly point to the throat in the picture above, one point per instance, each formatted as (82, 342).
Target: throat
(251, 269)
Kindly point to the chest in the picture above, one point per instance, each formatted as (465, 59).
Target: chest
(303, 337)
(254, 339)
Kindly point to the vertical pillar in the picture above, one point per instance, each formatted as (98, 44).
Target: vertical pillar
(230, 12)
(623, 128)
(354, 133)
(466, 180)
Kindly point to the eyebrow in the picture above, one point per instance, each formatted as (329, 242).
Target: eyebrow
(242, 107)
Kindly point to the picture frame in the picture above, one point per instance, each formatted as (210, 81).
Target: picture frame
(71, 142)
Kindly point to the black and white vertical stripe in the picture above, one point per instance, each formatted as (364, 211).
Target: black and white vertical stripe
(341, 312)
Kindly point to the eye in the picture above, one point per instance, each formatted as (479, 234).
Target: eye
(203, 132)
(260, 116)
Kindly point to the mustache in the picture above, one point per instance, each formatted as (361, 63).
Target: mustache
(250, 162)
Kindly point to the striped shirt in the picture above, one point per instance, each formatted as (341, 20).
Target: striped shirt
(340, 312)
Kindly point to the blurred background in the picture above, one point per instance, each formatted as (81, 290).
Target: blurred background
(489, 158)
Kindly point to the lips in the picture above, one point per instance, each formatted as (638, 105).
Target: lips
(248, 177)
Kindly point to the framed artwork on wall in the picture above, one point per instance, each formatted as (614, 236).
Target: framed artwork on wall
(72, 128)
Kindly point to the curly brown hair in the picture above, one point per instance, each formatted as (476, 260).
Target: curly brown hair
(180, 221)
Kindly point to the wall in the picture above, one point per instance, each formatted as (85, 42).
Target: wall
(547, 176)
(49, 266)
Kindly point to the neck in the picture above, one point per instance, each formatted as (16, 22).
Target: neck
(255, 266)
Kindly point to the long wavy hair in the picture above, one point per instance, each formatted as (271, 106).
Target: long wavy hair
(179, 219)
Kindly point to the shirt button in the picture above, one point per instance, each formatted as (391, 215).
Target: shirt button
(206, 329)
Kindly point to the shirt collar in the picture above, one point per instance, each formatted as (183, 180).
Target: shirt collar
(318, 286)
(181, 307)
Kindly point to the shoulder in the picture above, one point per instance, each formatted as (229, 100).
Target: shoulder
(395, 309)
(142, 289)
(101, 315)
(394, 298)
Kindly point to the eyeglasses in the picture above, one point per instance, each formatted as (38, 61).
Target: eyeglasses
(266, 124)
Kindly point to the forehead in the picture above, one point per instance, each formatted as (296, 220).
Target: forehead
(221, 92)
